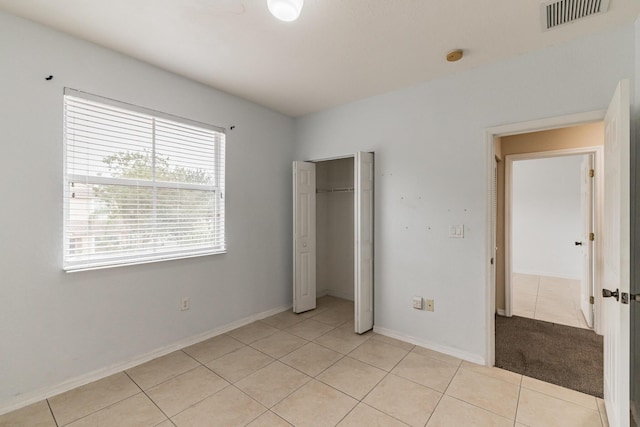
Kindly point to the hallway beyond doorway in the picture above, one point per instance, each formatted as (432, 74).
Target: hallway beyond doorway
(551, 299)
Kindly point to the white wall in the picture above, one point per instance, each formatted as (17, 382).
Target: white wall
(431, 172)
(547, 217)
(55, 326)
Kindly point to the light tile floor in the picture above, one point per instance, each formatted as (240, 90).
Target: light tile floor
(310, 370)
(548, 298)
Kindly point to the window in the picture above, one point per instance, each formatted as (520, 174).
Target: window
(140, 185)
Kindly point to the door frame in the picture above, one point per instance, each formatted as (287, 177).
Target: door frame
(357, 280)
(598, 153)
(490, 136)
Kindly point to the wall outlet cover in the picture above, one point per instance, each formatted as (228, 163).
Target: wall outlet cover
(430, 305)
(417, 303)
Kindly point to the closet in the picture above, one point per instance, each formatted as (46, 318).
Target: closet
(333, 234)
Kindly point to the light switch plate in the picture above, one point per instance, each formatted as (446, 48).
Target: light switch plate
(417, 303)
(456, 231)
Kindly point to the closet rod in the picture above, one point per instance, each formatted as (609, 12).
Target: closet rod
(336, 190)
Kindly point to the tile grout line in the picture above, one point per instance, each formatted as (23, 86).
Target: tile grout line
(102, 409)
(329, 348)
(293, 391)
(259, 403)
(480, 407)
(201, 400)
(108, 406)
(52, 414)
(168, 379)
(560, 398)
(423, 385)
(195, 403)
(515, 416)
(150, 399)
(387, 373)
(444, 392)
(269, 364)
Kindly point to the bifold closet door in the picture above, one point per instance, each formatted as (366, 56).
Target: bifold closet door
(363, 210)
(304, 236)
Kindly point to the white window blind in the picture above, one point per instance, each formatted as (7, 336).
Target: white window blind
(140, 185)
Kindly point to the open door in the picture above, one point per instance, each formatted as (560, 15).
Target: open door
(304, 236)
(587, 208)
(616, 262)
(363, 210)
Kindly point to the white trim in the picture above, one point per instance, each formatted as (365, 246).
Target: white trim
(341, 294)
(546, 124)
(554, 153)
(598, 200)
(490, 251)
(508, 223)
(321, 293)
(117, 262)
(327, 159)
(28, 398)
(451, 351)
(501, 312)
(490, 134)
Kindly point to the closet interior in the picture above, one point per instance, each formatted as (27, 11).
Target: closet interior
(335, 228)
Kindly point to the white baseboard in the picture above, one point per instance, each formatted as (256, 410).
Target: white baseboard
(460, 354)
(501, 312)
(321, 292)
(28, 398)
(343, 295)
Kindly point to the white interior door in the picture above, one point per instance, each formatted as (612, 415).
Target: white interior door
(304, 236)
(616, 267)
(363, 209)
(586, 202)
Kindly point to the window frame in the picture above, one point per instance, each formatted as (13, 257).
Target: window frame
(78, 263)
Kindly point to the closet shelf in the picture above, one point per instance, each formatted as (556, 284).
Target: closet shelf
(335, 190)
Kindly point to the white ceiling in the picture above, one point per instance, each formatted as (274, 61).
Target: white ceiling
(337, 51)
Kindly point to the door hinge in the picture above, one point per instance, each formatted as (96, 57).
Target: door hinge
(592, 236)
(592, 300)
(592, 173)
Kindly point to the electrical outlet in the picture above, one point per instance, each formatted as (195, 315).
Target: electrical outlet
(417, 303)
(185, 305)
(430, 305)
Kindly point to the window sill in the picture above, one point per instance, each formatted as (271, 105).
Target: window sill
(113, 264)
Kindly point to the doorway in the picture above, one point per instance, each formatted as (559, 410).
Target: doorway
(541, 215)
(333, 234)
(613, 281)
(550, 225)
(582, 139)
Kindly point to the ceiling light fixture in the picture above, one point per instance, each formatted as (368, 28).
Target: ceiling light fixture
(285, 10)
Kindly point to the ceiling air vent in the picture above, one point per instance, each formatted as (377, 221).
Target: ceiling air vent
(560, 12)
